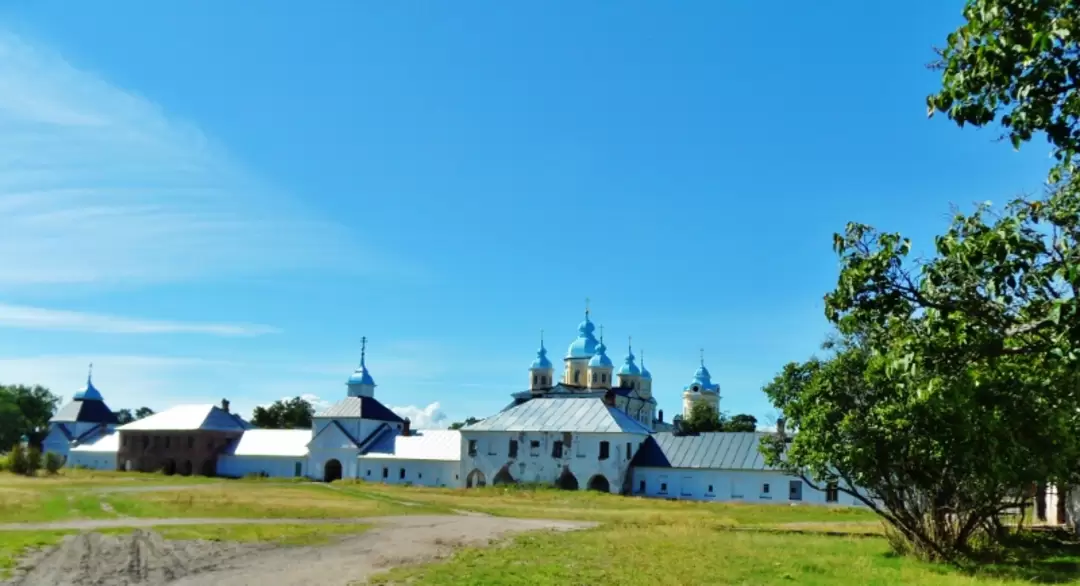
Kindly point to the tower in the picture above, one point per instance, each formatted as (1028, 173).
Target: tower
(701, 389)
(600, 366)
(360, 384)
(629, 374)
(646, 379)
(541, 371)
(580, 351)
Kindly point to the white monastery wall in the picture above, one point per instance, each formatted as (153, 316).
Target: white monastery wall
(275, 466)
(753, 486)
(435, 473)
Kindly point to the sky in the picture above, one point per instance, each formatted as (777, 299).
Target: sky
(214, 200)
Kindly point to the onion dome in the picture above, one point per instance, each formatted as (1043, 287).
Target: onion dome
(600, 359)
(541, 362)
(361, 376)
(89, 393)
(644, 371)
(628, 367)
(584, 346)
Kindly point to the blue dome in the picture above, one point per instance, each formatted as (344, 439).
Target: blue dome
(629, 368)
(541, 361)
(89, 393)
(644, 371)
(600, 359)
(703, 380)
(361, 376)
(584, 346)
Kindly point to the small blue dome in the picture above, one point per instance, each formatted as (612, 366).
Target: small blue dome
(703, 381)
(600, 359)
(89, 393)
(541, 361)
(361, 376)
(644, 371)
(629, 368)
(584, 346)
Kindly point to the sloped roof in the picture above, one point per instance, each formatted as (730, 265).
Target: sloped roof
(567, 414)
(190, 418)
(362, 407)
(715, 450)
(435, 444)
(107, 443)
(88, 411)
(270, 442)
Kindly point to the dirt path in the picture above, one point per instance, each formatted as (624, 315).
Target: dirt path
(146, 560)
(145, 523)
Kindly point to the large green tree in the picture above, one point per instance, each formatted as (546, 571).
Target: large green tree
(702, 418)
(295, 413)
(25, 410)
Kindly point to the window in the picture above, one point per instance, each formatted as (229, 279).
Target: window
(385, 472)
(419, 474)
(536, 380)
(604, 451)
(765, 488)
(368, 472)
(191, 441)
(472, 448)
(401, 474)
(628, 449)
(167, 438)
(710, 490)
(298, 467)
(795, 490)
(663, 488)
(832, 493)
(641, 486)
(513, 448)
(577, 376)
(534, 448)
(556, 450)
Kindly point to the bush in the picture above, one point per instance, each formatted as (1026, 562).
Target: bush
(16, 460)
(53, 462)
(33, 461)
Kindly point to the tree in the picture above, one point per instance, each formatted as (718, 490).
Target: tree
(1016, 62)
(468, 421)
(741, 422)
(124, 416)
(702, 418)
(295, 413)
(143, 412)
(25, 410)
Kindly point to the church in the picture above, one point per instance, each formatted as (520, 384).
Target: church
(596, 427)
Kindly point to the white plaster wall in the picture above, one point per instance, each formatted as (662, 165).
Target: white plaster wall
(727, 485)
(435, 473)
(689, 398)
(275, 466)
(318, 458)
(92, 460)
(493, 452)
(56, 442)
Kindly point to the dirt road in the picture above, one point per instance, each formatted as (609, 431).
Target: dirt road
(147, 560)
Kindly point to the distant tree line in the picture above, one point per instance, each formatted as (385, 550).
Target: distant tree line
(295, 413)
(705, 418)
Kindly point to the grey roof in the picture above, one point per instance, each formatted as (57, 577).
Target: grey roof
(85, 411)
(434, 444)
(716, 450)
(190, 418)
(362, 407)
(567, 414)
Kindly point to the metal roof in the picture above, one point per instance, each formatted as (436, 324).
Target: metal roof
(108, 443)
(435, 444)
(190, 418)
(85, 411)
(568, 414)
(362, 407)
(271, 442)
(716, 450)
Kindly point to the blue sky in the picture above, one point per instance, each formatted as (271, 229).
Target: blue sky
(218, 199)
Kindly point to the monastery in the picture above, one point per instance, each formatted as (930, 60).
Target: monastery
(597, 427)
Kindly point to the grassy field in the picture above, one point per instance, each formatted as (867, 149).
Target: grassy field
(639, 541)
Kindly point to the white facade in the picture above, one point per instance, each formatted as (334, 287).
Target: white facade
(750, 486)
(433, 473)
(273, 466)
(99, 454)
(539, 460)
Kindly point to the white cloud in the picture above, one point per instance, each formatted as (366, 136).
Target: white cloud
(430, 417)
(98, 185)
(36, 318)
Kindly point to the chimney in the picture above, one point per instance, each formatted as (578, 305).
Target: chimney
(660, 417)
(405, 428)
(225, 405)
(780, 426)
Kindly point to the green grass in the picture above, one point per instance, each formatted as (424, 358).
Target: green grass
(680, 554)
(284, 534)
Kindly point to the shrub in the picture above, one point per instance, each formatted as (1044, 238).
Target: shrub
(33, 461)
(53, 462)
(16, 459)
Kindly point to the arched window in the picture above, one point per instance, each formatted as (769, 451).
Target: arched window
(577, 376)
